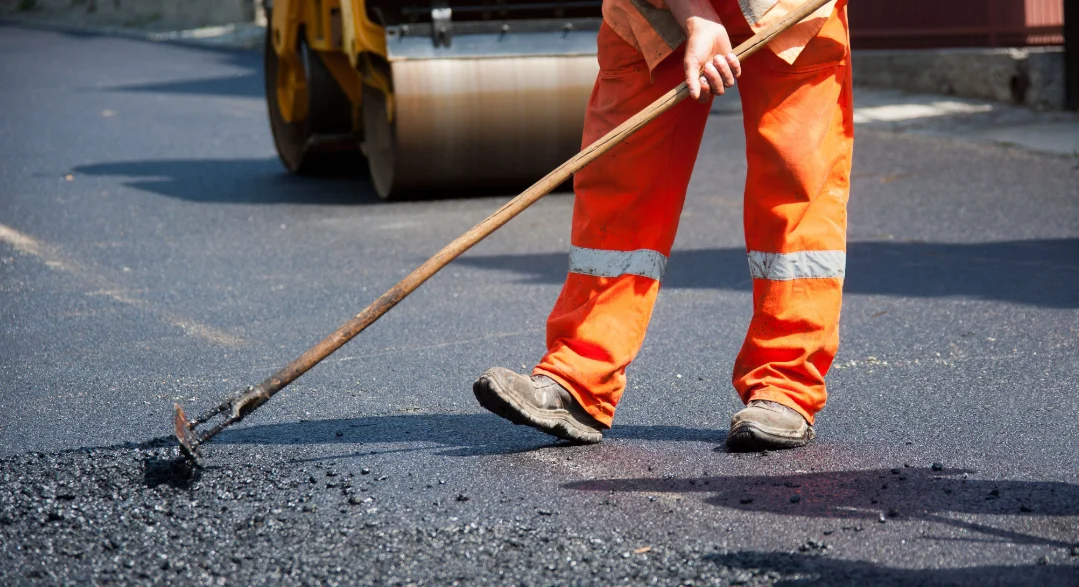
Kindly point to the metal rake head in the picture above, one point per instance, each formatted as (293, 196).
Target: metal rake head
(186, 435)
(233, 409)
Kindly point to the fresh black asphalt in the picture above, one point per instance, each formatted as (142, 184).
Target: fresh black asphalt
(153, 250)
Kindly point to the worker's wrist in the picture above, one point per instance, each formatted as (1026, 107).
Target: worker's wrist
(692, 12)
(697, 23)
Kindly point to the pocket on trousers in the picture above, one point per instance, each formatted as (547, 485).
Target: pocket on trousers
(616, 56)
(829, 48)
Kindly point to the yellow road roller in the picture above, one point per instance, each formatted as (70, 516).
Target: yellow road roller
(437, 95)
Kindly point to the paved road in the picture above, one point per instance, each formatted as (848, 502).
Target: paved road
(152, 250)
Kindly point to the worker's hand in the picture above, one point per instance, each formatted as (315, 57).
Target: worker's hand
(710, 65)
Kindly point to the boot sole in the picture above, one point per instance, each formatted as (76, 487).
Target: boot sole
(748, 437)
(557, 423)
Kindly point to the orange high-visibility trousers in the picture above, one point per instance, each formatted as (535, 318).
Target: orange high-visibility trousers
(799, 140)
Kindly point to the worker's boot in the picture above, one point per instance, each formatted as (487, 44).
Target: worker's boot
(767, 425)
(536, 401)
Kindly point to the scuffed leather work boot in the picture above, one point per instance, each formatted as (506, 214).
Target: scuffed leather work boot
(536, 401)
(767, 425)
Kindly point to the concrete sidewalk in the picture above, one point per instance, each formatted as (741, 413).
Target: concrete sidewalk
(1051, 132)
(982, 121)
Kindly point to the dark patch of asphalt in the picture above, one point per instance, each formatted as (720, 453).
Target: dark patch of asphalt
(137, 514)
(178, 263)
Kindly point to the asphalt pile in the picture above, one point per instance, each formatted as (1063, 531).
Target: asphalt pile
(139, 514)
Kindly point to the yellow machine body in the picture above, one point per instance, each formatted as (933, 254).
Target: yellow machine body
(438, 96)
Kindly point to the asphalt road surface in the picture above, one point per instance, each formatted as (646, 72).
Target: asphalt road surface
(153, 250)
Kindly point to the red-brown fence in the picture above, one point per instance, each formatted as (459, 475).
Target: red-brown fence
(909, 24)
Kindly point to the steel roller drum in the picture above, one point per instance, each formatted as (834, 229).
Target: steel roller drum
(481, 114)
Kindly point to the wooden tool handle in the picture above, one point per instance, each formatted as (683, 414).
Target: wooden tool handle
(506, 213)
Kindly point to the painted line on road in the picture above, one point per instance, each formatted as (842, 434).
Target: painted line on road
(101, 285)
(20, 241)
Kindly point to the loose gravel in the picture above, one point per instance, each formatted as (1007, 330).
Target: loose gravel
(137, 514)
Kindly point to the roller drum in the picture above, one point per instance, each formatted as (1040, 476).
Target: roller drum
(479, 123)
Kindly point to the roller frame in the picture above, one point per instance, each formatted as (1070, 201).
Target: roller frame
(343, 27)
(360, 53)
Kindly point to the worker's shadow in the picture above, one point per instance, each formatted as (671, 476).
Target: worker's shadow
(1041, 272)
(449, 434)
(857, 500)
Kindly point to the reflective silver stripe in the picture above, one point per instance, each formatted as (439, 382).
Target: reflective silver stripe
(601, 263)
(799, 265)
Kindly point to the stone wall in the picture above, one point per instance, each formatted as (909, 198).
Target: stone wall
(1031, 76)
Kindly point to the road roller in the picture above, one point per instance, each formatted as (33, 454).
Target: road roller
(433, 96)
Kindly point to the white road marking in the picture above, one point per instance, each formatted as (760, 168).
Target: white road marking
(20, 241)
(102, 285)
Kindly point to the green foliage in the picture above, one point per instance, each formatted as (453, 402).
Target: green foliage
(27, 5)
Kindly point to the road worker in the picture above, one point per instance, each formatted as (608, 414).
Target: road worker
(797, 107)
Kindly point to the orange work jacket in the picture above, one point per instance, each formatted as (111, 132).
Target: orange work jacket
(650, 27)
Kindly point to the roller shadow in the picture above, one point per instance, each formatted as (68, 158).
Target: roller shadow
(238, 181)
(1041, 273)
(856, 498)
(265, 181)
(248, 85)
(806, 570)
(454, 434)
